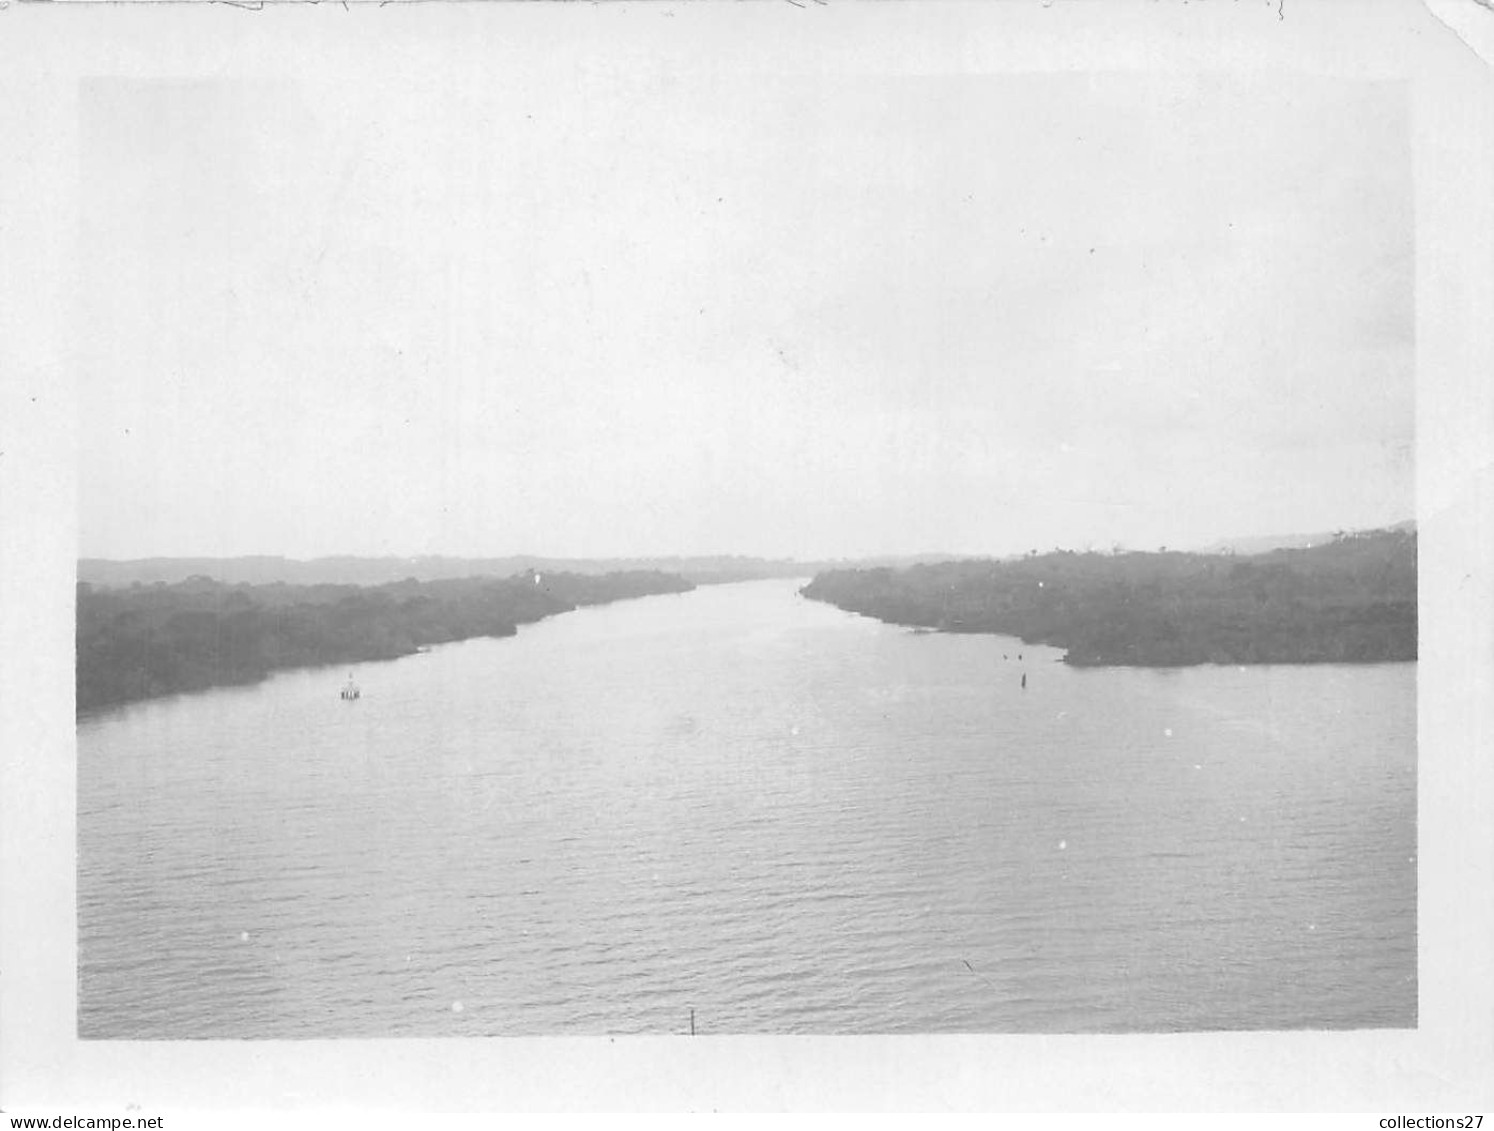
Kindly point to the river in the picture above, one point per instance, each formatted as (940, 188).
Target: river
(758, 811)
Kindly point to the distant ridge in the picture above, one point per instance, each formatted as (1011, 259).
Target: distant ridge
(265, 569)
(1265, 543)
(705, 569)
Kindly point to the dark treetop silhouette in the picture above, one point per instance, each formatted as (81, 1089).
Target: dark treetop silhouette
(154, 640)
(1352, 600)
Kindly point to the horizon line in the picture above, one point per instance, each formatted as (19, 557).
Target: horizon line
(1115, 546)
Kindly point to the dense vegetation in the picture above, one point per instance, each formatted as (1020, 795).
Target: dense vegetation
(1351, 600)
(153, 640)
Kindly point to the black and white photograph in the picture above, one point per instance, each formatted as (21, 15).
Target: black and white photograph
(639, 521)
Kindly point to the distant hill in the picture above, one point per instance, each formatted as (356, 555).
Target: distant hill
(1265, 543)
(349, 570)
(707, 569)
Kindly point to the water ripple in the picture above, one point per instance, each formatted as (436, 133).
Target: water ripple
(784, 818)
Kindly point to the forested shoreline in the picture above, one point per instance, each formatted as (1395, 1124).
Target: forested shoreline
(148, 640)
(1351, 600)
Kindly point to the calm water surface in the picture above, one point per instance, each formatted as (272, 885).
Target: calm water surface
(784, 817)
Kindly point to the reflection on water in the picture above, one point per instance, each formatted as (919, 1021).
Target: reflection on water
(783, 817)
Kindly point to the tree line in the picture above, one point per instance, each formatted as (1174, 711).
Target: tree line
(1352, 600)
(148, 640)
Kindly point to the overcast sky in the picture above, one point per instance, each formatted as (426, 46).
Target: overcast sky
(589, 309)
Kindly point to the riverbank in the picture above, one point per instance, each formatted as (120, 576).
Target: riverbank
(151, 640)
(1352, 600)
(805, 784)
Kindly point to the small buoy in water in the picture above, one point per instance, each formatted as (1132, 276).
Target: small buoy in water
(1167, 731)
(243, 936)
(1063, 844)
(456, 1007)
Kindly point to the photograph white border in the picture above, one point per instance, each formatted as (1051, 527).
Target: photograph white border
(1445, 1065)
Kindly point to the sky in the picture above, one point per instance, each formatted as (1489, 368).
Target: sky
(596, 309)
